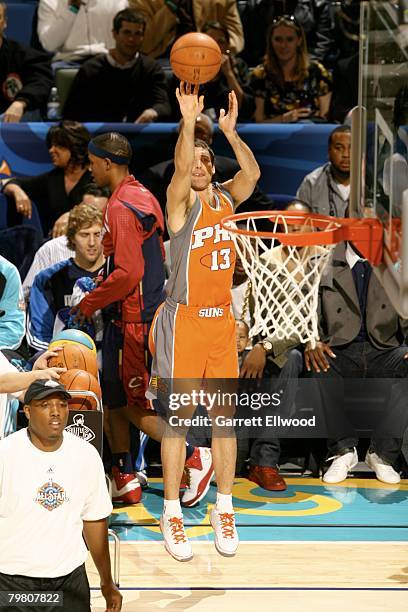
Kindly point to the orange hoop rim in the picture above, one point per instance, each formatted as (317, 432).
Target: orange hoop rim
(365, 233)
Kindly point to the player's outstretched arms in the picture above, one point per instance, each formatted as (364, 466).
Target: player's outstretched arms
(180, 196)
(243, 183)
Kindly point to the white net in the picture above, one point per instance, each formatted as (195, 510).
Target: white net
(284, 278)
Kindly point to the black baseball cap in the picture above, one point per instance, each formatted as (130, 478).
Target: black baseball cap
(42, 388)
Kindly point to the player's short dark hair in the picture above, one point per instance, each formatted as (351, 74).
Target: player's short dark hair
(301, 202)
(340, 129)
(98, 192)
(114, 143)
(203, 145)
(130, 15)
(71, 135)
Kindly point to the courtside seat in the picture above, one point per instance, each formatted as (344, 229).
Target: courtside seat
(64, 78)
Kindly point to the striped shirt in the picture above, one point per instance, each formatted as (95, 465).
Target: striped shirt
(52, 252)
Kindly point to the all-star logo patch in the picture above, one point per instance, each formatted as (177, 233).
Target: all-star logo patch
(51, 495)
(78, 428)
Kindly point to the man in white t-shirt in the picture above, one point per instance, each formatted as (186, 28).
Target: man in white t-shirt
(327, 189)
(47, 514)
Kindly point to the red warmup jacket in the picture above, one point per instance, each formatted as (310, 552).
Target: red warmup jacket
(133, 247)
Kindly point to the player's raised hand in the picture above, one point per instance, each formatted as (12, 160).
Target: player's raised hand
(228, 121)
(191, 105)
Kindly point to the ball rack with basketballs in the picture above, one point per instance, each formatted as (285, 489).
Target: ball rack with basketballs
(77, 353)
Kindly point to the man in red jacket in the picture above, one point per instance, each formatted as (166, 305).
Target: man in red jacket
(129, 295)
(130, 292)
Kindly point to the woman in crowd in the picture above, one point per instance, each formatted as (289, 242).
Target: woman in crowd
(288, 86)
(57, 191)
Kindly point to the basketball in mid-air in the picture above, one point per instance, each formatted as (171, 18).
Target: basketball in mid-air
(79, 380)
(73, 356)
(195, 58)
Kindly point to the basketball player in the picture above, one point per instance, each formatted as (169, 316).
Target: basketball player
(130, 293)
(188, 344)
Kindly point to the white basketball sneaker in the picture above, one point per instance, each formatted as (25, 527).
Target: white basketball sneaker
(175, 540)
(383, 470)
(225, 536)
(341, 466)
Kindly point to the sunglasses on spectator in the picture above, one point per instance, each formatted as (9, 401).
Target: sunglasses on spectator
(286, 18)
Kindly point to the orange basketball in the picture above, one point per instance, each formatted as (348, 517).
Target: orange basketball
(80, 380)
(74, 356)
(195, 58)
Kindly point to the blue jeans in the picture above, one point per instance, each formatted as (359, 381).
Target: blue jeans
(362, 360)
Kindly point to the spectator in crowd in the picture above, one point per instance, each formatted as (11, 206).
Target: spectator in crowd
(57, 249)
(399, 159)
(158, 177)
(74, 30)
(288, 86)
(233, 75)
(62, 501)
(137, 89)
(327, 189)
(57, 191)
(13, 384)
(51, 293)
(12, 307)
(361, 336)
(242, 330)
(168, 20)
(25, 78)
(313, 16)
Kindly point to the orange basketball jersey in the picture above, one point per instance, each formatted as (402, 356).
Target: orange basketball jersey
(203, 255)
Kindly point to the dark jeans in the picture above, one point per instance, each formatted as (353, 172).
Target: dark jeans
(74, 586)
(266, 451)
(361, 360)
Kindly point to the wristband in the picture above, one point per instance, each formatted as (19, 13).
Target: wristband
(73, 9)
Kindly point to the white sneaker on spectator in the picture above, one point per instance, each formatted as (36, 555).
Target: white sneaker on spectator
(199, 470)
(383, 470)
(340, 467)
(225, 536)
(176, 542)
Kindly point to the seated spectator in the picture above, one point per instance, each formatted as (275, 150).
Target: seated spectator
(362, 336)
(327, 189)
(313, 16)
(233, 75)
(12, 307)
(57, 191)
(124, 85)
(280, 360)
(51, 293)
(166, 21)
(74, 30)
(57, 249)
(25, 78)
(288, 86)
(157, 178)
(242, 331)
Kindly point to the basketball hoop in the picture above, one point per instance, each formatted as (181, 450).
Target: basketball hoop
(285, 263)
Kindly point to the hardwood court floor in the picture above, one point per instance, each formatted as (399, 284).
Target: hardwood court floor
(289, 576)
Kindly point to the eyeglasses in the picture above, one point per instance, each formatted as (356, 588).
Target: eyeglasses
(286, 18)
